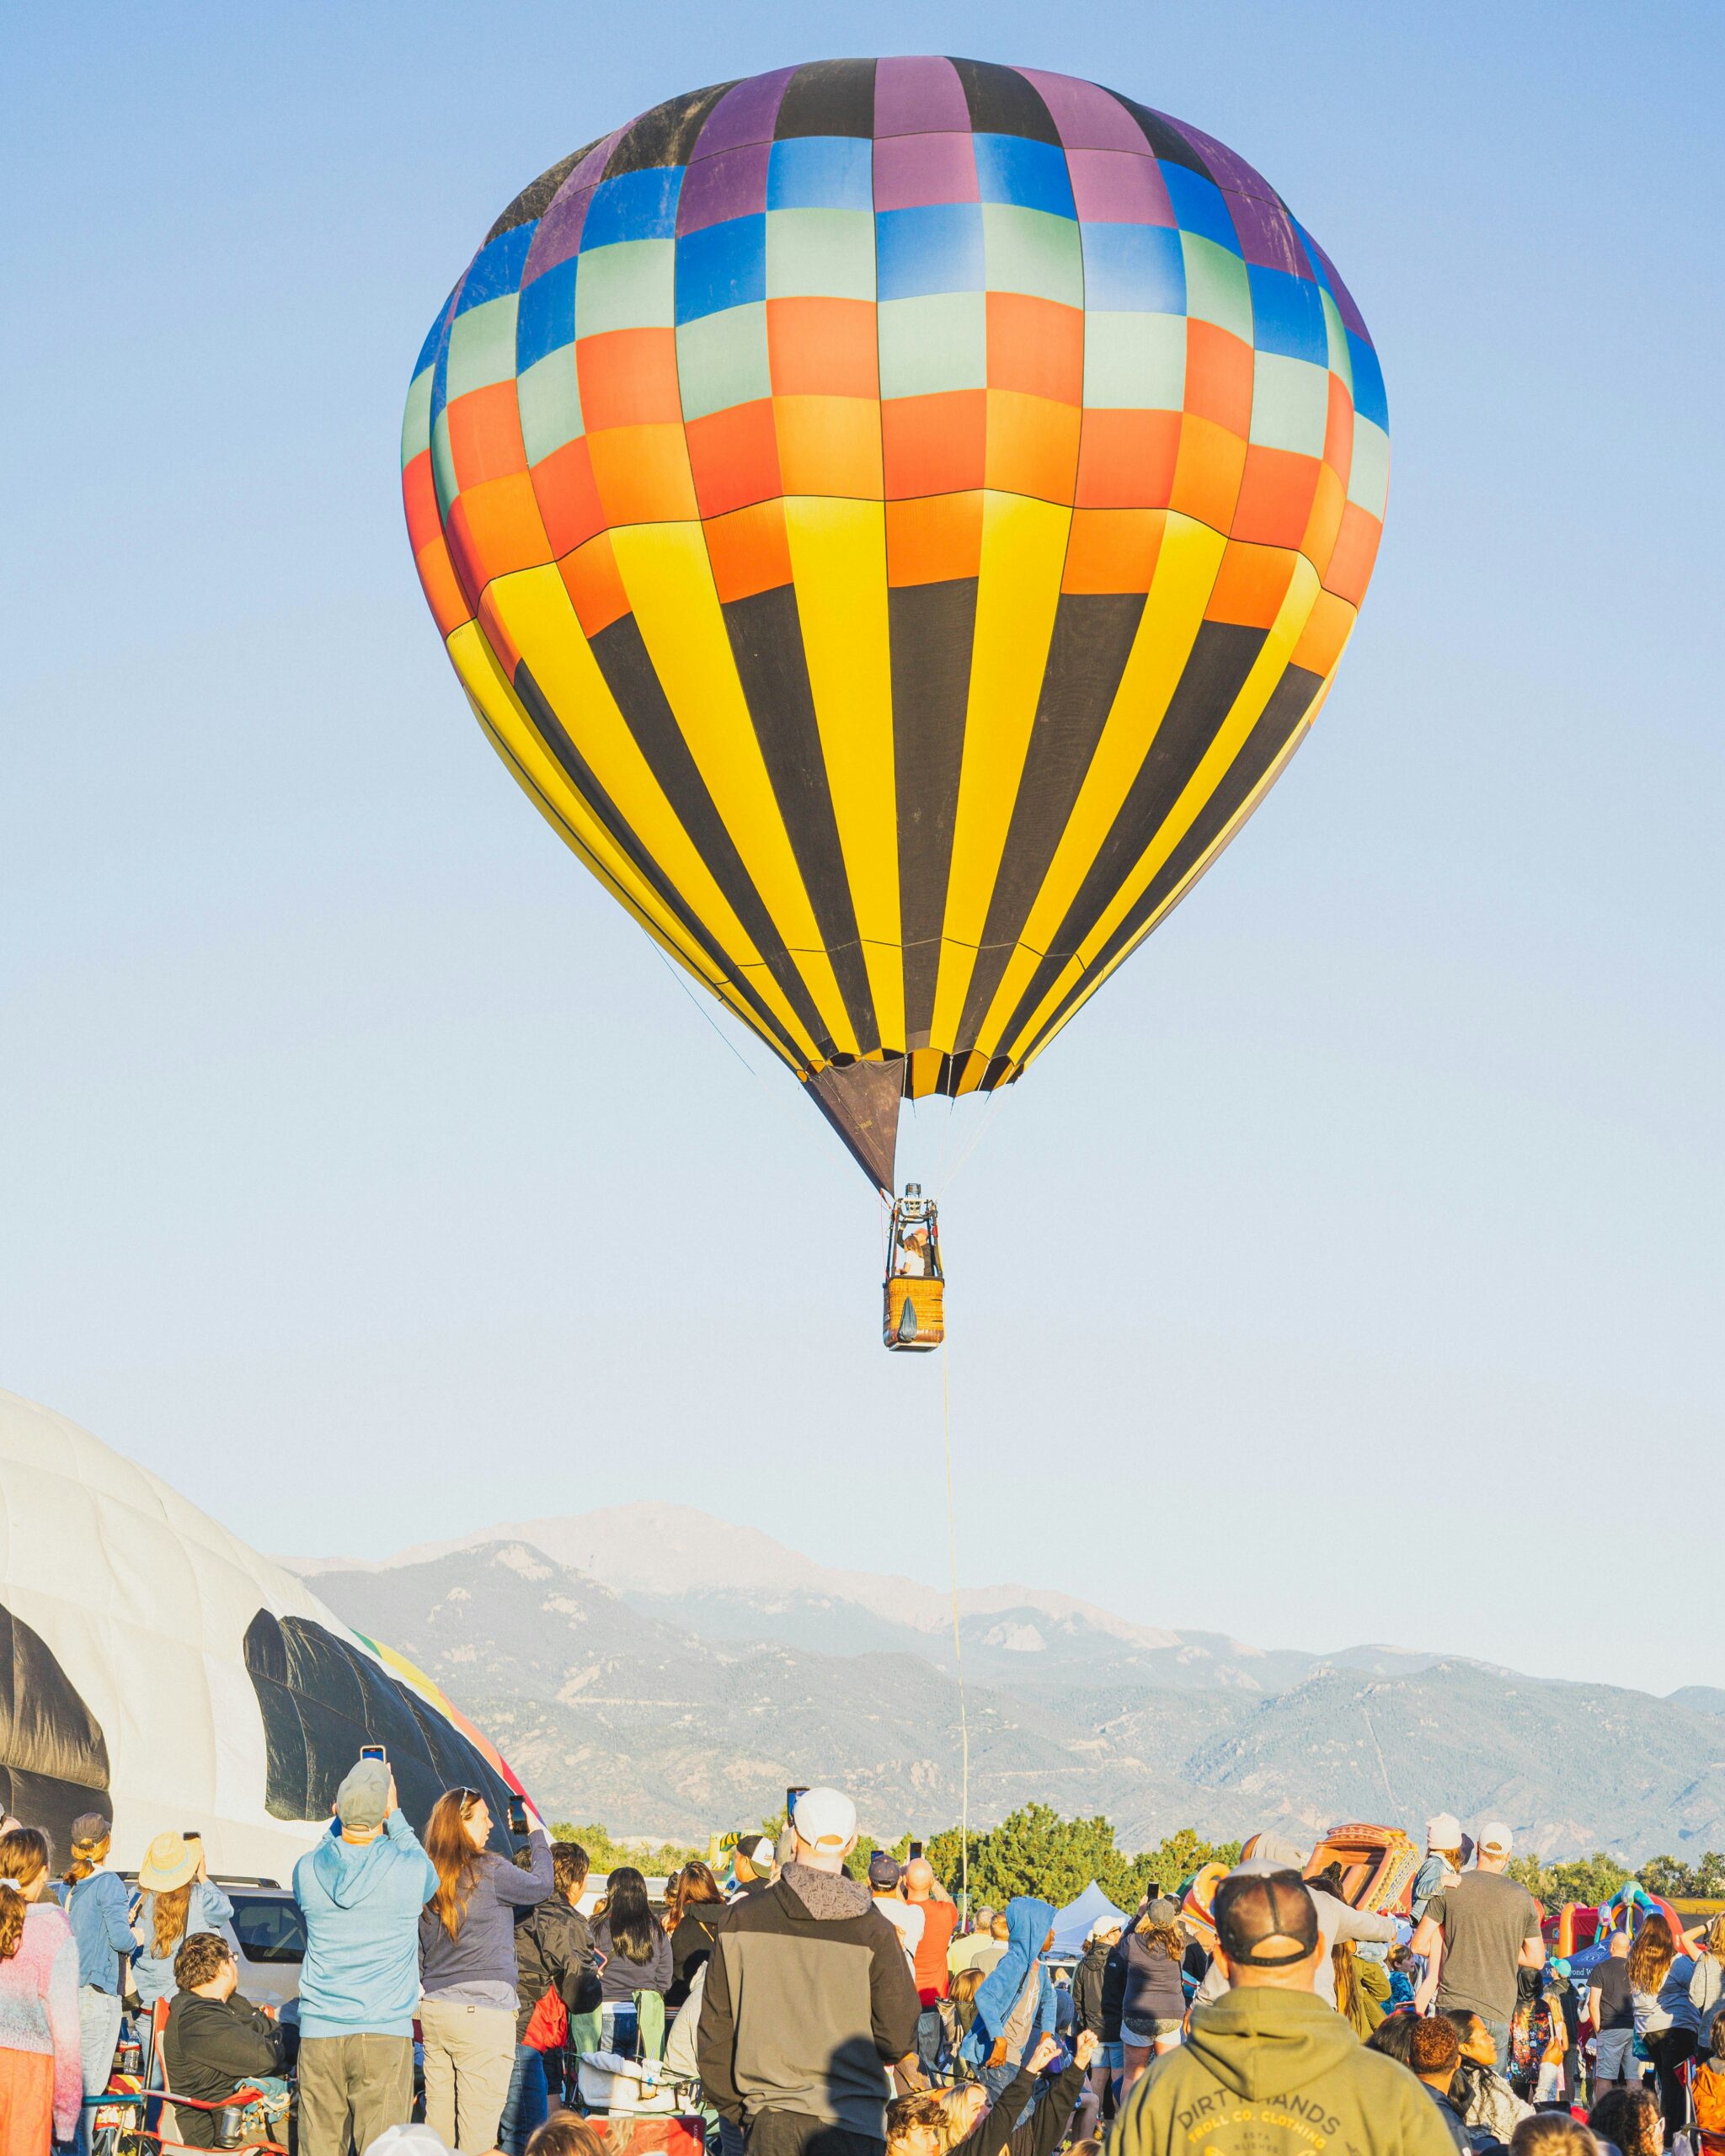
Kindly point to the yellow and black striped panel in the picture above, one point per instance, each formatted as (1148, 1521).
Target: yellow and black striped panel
(896, 518)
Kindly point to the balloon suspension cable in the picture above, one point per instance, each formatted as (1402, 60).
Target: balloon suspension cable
(946, 1407)
(681, 979)
(976, 1138)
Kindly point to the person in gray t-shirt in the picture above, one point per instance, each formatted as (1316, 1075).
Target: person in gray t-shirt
(1475, 1935)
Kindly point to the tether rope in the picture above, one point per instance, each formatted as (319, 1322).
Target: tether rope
(946, 1405)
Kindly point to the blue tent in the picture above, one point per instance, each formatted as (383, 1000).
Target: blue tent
(1074, 1923)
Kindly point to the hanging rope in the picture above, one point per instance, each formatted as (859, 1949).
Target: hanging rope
(946, 1406)
(681, 979)
(983, 1121)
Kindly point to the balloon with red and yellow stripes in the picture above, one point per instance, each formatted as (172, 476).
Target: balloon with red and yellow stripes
(896, 518)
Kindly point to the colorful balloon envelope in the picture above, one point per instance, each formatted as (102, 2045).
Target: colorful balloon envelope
(896, 518)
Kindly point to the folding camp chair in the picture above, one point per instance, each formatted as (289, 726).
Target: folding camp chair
(163, 2130)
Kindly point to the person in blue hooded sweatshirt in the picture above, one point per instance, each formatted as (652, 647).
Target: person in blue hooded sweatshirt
(360, 1892)
(1015, 2003)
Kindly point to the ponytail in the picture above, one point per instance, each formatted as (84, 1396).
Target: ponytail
(23, 1858)
(87, 1857)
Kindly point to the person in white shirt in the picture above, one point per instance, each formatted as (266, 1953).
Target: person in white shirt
(885, 1875)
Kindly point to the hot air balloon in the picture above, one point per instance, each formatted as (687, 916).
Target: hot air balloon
(896, 518)
(155, 1669)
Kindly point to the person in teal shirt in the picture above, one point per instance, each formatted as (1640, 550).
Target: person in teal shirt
(360, 1892)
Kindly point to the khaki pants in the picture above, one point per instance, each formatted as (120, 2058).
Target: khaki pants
(353, 2087)
(470, 2054)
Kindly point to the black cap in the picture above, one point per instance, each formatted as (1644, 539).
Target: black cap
(1250, 1909)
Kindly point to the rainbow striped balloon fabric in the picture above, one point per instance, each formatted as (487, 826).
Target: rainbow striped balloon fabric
(896, 518)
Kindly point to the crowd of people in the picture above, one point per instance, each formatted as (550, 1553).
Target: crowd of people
(808, 2005)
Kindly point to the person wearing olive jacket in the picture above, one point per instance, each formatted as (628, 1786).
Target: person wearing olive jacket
(1269, 2068)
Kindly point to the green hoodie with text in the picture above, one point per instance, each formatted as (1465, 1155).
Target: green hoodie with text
(1277, 2074)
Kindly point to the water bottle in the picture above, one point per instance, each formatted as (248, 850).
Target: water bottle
(230, 2124)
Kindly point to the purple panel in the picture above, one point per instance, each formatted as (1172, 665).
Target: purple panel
(1088, 117)
(918, 97)
(1111, 187)
(732, 185)
(1227, 168)
(912, 170)
(1267, 236)
(560, 233)
(592, 169)
(744, 113)
(1351, 319)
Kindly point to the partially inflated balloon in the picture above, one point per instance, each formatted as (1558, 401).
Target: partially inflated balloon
(896, 518)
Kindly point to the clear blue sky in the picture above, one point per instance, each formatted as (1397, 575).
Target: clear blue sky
(1350, 1270)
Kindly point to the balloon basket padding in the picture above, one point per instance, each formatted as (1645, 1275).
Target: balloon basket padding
(926, 1328)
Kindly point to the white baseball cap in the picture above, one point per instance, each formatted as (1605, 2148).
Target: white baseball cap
(1444, 1832)
(825, 1819)
(409, 2141)
(1495, 1838)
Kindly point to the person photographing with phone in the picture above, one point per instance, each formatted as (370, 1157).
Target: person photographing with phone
(360, 1892)
(178, 1900)
(469, 1971)
(924, 1892)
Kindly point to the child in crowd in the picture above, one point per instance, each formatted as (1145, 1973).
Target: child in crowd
(1708, 2094)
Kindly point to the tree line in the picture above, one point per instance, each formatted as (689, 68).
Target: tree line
(1596, 1878)
(1035, 1851)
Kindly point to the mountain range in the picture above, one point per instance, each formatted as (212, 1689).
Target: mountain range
(667, 1672)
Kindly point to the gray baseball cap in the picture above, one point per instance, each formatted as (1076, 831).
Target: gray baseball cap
(362, 1802)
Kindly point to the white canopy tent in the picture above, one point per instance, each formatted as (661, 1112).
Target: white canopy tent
(1074, 1923)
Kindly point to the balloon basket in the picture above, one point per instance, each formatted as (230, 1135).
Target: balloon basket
(915, 1317)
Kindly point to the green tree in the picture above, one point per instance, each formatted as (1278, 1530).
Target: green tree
(946, 1852)
(1175, 1859)
(1671, 1879)
(1589, 1880)
(1035, 1851)
(658, 1860)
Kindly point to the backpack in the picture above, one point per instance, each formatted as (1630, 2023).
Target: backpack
(548, 2026)
(1708, 2097)
(1530, 2035)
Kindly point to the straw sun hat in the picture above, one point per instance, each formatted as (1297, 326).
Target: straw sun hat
(170, 1860)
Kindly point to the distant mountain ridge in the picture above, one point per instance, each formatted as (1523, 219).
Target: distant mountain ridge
(683, 1674)
(727, 1581)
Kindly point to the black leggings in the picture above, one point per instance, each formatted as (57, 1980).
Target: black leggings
(1667, 2048)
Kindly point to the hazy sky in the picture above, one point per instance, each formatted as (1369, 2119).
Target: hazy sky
(1350, 1269)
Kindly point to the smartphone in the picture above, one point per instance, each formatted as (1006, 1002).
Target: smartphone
(372, 1751)
(916, 1851)
(518, 1819)
(791, 1796)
